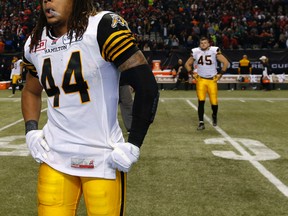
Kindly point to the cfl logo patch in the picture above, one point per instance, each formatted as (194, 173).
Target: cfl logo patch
(116, 19)
(41, 45)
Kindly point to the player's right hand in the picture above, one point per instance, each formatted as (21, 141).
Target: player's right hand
(37, 145)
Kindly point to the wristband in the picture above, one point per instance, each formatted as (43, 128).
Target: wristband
(31, 125)
(222, 72)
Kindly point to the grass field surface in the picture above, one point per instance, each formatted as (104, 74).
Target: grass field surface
(239, 168)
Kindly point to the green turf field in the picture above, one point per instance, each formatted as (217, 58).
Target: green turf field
(239, 168)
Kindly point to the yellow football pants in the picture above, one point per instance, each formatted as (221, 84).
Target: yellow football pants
(59, 194)
(204, 86)
(15, 79)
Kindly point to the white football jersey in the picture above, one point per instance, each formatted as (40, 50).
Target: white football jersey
(206, 61)
(82, 88)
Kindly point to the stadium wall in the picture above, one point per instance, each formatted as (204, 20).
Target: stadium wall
(278, 59)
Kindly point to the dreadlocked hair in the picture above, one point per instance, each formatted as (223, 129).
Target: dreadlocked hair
(78, 21)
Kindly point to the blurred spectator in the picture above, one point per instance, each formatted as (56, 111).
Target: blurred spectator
(234, 43)
(8, 43)
(16, 22)
(180, 72)
(235, 24)
(2, 46)
(225, 42)
(5, 69)
(146, 47)
(189, 42)
(174, 42)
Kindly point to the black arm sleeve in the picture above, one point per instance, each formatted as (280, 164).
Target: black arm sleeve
(146, 99)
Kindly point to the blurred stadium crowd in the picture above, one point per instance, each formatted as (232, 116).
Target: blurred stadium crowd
(170, 24)
(230, 24)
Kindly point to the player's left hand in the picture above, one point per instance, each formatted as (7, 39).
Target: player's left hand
(123, 156)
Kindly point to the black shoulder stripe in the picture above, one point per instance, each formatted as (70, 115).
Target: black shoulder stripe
(29, 67)
(115, 39)
(116, 44)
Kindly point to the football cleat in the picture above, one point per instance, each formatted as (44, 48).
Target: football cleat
(201, 126)
(214, 120)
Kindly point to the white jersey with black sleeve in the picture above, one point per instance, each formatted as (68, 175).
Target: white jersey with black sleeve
(206, 61)
(82, 84)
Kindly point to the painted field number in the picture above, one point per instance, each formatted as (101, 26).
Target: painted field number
(8, 148)
(252, 149)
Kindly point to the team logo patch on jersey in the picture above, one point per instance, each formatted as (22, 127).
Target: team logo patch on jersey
(41, 45)
(116, 19)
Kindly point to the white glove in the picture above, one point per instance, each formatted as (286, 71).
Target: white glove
(37, 145)
(123, 156)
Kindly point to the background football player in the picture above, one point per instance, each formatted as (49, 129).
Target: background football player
(206, 58)
(16, 73)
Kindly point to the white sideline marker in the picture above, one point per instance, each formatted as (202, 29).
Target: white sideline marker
(16, 122)
(273, 179)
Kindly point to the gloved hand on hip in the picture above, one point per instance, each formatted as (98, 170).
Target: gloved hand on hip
(37, 145)
(123, 156)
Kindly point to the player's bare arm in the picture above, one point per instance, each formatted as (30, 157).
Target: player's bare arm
(31, 98)
(224, 67)
(224, 62)
(189, 64)
(135, 60)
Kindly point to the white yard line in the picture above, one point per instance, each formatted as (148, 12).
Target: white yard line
(16, 122)
(10, 99)
(10, 125)
(229, 99)
(273, 179)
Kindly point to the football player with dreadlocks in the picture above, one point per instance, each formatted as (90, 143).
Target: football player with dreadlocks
(206, 58)
(76, 55)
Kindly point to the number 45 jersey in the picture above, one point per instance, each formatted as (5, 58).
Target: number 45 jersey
(206, 61)
(82, 86)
